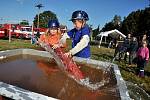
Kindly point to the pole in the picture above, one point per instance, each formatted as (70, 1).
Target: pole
(100, 41)
(10, 33)
(38, 19)
(32, 36)
(39, 6)
(32, 28)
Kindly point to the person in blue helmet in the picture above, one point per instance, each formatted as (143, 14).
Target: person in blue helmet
(52, 35)
(80, 35)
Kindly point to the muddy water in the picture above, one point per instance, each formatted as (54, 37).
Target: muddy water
(42, 75)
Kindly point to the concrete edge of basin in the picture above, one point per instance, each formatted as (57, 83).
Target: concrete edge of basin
(124, 95)
(17, 93)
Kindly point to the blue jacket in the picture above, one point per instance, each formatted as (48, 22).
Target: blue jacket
(76, 36)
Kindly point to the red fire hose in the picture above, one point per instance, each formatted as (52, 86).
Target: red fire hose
(66, 63)
(70, 65)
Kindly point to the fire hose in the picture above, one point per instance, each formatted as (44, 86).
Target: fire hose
(64, 62)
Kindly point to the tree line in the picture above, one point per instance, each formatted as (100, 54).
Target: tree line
(137, 23)
(44, 17)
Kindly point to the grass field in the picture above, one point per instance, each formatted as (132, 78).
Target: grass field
(103, 54)
(15, 43)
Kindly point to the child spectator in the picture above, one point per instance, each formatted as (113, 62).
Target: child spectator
(142, 58)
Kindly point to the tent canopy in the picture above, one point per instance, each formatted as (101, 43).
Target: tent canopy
(113, 33)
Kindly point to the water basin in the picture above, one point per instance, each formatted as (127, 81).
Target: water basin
(42, 75)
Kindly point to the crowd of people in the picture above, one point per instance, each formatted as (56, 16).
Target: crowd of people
(135, 51)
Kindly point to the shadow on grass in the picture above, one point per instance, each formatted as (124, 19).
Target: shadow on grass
(147, 73)
(130, 69)
(103, 57)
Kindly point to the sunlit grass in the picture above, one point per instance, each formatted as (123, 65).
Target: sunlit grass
(15, 43)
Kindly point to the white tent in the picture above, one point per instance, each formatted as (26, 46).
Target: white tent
(113, 33)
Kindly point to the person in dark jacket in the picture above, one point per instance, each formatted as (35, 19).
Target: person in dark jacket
(126, 44)
(144, 38)
(38, 34)
(120, 49)
(133, 50)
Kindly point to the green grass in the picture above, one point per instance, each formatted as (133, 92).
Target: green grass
(16, 43)
(103, 54)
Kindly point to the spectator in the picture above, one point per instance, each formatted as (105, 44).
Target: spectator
(38, 34)
(110, 44)
(126, 44)
(144, 38)
(142, 58)
(120, 49)
(133, 50)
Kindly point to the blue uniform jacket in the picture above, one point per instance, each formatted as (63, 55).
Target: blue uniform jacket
(76, 36)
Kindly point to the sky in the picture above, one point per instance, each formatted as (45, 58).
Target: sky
(100, 11)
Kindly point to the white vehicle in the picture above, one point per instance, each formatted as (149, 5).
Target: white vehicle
(26, 31)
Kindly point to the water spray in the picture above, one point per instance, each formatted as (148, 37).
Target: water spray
(67, 65)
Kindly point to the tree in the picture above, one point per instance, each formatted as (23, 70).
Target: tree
(44, 18)
(114, 24)
(116, 20)
(0, 25)
(145, 21)
(107, 27)
(137, 22)
(91, 31)
(95, 32)
(24, 22)
(131, 23)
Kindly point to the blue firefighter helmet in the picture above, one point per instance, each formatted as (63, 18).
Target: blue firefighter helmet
(79, 14)
(53, 24)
